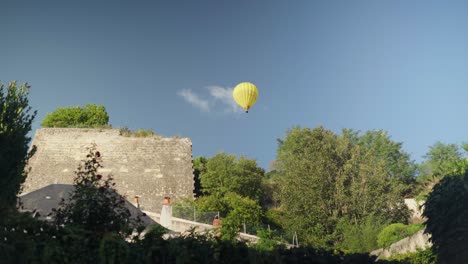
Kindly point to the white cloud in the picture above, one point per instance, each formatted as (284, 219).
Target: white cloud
(217, 99)
(194, 100)
(224, 95)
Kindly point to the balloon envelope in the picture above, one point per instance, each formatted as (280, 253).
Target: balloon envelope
(245, 94)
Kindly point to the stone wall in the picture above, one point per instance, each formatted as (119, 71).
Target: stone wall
(416, 210)
(418, 241)
(150, 168)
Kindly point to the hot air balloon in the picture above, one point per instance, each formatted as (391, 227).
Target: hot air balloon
(245, 94)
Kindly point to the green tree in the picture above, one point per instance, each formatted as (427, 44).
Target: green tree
(15, 123)
(90, 115)
(446, 210)
(199, 167)
(329, 177)
(397, 162)
(226, 173)
(233, 187)
(94, 205)
(441, 160)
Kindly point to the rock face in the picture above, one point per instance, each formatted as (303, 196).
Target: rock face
(408, 244)
(150, 168)
(416, 208)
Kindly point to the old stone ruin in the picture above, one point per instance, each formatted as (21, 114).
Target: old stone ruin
(146, 168)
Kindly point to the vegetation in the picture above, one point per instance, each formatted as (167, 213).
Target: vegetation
(419, 257)
(328, 179)
(94, 205)
(396, 232)
(15, 123)
(447, 210)
(440, 161)
(126, 132)
(82, 233)
(89, 116)
(232, 187)
(360, 237)
(342, 194)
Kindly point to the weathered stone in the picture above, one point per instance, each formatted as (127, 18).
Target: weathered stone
(150, 168)
(418, 241)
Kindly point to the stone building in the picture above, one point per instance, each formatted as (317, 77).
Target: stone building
(149, 168)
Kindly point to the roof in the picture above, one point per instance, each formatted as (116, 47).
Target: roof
(43, 200)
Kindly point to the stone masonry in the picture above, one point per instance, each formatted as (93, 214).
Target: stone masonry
(150, 168)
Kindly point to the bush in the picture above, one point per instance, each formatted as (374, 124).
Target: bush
(396, 232)
(126, 132)
(268, 241)
(90, 115)
(361, 237)
(113, 249)
(446, 210)
(419, 257)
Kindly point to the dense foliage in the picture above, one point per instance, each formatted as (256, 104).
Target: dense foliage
(446, 210)
(328, 179)
(225, 173)
(419, 257)
(396, 232)
(15, 123)
(342, 194)
(441, 160)
(361, 236)
(90, 115)
(231, 186)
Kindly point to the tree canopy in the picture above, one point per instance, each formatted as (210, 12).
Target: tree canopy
(90, 115)
(446, 210)
(15, 123)
(328, 178)
(226, 173)
(231, 186)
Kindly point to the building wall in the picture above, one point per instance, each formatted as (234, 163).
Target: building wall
(150, 168)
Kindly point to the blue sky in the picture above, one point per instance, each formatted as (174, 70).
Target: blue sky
(401, 66)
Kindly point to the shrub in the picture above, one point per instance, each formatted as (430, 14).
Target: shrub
(94, 204)
(396, 232)
(419, 257)
(90, 115)
(360, 237)
(126, 132)
(268, 241)
(113, 249)
(446, 210)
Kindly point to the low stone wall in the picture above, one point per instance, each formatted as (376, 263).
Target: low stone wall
(181, 226)
(408, 244)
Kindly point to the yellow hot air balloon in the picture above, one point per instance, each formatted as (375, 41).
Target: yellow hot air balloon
(245, 94)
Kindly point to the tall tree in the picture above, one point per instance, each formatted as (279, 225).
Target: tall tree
(327, 178)
(233, 187)
(439, 160)
(397, 162)
(226, 173)
(446, 210)
(15, 123)
(199, 167)
(94, 205)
